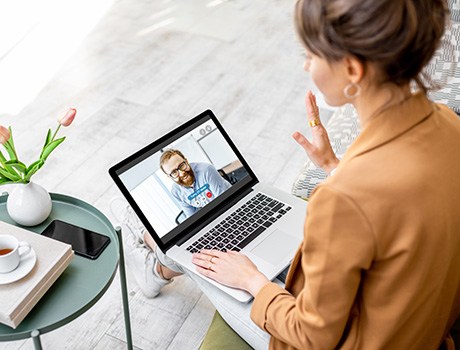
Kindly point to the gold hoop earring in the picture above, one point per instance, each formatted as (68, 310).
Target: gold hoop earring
(347, 90)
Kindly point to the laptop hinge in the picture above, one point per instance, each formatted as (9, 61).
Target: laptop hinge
(227, 205)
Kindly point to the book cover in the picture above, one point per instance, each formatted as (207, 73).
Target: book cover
(18, 298)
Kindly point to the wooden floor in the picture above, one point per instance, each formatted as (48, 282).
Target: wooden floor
(144, 68)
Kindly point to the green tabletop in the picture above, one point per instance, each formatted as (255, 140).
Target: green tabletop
(84, 281)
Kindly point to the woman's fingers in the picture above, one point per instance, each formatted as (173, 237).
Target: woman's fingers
(303, 142)
(206, 258)
(206, 272)
(231, 268)
(211, 252)
(312, 109)
(233, 252)
(315, 106)
(319, 149)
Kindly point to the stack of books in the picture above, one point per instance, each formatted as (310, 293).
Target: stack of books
(19, 297)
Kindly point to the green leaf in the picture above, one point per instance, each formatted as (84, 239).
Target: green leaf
(19, 166)
(7, 166)
(9, 146)
(2, 159)
(50, 148)
(5, 181)
(48, 138)
(10, 150)
(34, 164)
(10, 140)
(32, 169)
(11, 176)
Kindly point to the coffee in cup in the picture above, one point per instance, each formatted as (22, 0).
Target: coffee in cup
(11, 251)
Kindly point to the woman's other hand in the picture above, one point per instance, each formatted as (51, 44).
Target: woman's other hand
(319, 150)
(232, 269)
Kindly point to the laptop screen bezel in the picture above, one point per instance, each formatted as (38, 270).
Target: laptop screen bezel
(208, 213)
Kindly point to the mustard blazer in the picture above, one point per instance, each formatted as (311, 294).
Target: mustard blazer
(379, 266)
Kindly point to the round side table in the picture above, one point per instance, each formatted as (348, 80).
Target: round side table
(83, 282)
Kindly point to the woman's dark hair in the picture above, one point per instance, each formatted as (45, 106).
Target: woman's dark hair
(398, 36)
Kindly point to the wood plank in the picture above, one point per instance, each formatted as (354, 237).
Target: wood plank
(110, 343)
(193, 330)
(158, 320)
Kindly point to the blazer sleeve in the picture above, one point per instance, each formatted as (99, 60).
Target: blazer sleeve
(338, 247)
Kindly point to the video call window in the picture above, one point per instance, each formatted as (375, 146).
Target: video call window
(205, 168)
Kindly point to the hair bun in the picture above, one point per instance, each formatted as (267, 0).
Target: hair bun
(398, 36)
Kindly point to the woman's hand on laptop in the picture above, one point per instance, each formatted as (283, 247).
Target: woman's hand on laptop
(232, 269)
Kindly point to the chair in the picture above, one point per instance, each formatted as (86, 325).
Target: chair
(221, 336)
(343, 128)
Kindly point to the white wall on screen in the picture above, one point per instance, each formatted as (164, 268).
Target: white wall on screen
(191, 149)
(157, 205)
(217, 149)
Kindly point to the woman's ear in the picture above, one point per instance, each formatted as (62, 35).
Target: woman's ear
(354, 69)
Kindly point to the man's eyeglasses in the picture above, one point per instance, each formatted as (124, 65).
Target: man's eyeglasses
(182, 167)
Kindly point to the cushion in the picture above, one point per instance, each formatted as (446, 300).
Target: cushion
(221, 336)
(443, 69)
(454, 7)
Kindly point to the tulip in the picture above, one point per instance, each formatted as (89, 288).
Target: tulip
(4, 135)
(68, 118)
(13, 170)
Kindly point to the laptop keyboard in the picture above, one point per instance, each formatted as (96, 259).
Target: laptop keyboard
(241, 227)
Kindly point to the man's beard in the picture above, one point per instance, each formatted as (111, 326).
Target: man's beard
(189, 179)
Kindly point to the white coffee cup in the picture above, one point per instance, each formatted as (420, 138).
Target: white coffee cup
(10, 257)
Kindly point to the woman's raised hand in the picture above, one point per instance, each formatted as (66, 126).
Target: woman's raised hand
(319, 150)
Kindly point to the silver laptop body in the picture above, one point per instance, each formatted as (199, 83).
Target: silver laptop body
(268, 230)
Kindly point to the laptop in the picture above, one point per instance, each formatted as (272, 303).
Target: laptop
(226, 207)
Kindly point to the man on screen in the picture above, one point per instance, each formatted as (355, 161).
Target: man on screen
(196, 184)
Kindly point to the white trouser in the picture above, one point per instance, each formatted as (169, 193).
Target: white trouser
(236, 314)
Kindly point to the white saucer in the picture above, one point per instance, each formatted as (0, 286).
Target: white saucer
(26, 264)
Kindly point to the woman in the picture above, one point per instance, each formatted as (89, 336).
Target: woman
(378, 267)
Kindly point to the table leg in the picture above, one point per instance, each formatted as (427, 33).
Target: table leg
(124, 291)
(35, 334)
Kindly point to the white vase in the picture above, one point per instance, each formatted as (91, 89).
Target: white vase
(28, 204)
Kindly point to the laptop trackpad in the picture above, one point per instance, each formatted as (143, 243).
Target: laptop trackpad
(275, 247)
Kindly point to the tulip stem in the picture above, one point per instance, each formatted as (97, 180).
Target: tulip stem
(55, 133)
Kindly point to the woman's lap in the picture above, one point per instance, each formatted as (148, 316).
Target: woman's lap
(236, 314)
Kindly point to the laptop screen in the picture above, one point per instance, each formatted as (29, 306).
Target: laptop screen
(180, 182)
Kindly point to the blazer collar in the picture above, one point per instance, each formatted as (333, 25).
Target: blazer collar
(391, 123)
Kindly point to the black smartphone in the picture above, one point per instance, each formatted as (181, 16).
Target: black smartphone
(83, 241)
